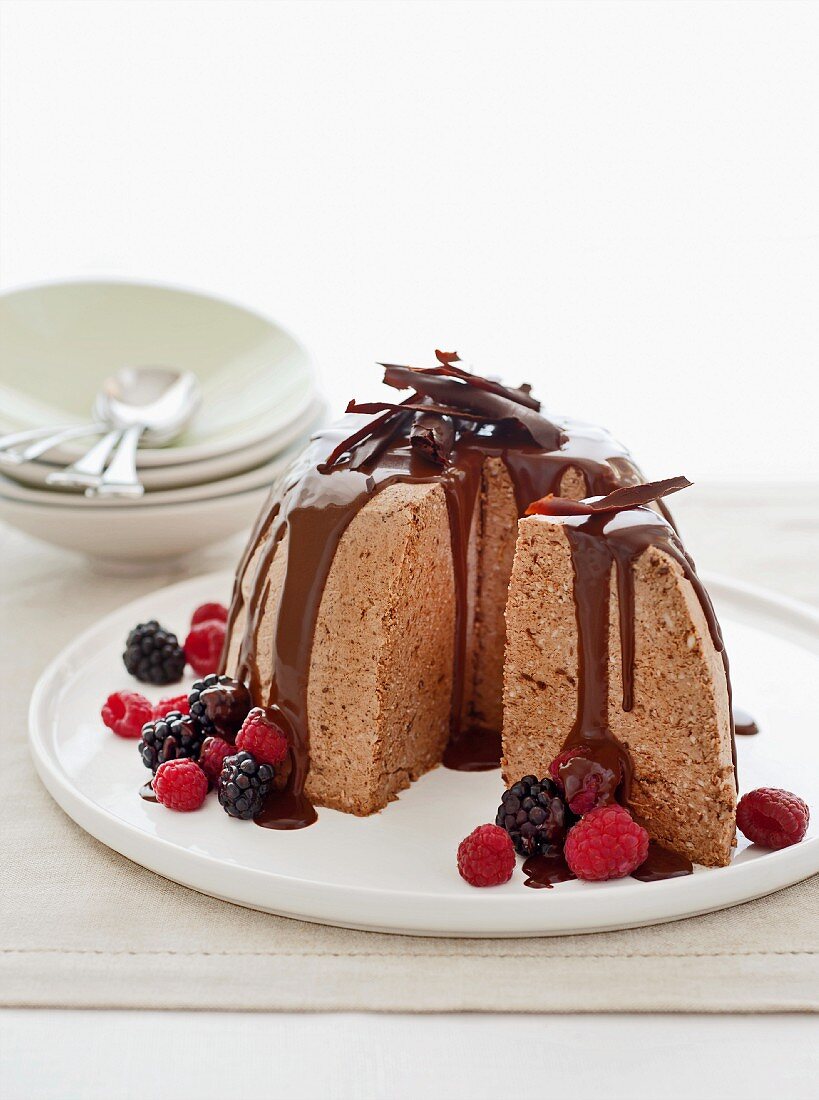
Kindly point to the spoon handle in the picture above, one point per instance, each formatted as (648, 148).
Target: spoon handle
(40, 440)
(87, 471)
(121, 478)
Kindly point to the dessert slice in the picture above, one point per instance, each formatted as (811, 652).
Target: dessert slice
(380, 675)
(612, 645)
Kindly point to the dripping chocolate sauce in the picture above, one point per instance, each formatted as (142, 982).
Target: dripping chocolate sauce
(744, 723)
(474, 749)
(287, 810)
(544, 872)
(313, 507)
(146, 791)
(661, 864)
(598, 543)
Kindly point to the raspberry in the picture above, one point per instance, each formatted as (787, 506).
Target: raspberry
(214, 751)
(126, 712)
(209, 612)
(534, 815)
(180, 785)
(176, 702)
(203, 646)
(588, 784)
(486, 857)
(263, 736)
(606, 843)
(772, 818)
(563, 758)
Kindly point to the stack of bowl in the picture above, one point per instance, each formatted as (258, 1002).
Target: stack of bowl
(58, 343)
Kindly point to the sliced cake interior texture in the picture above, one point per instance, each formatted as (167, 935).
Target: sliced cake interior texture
(381, 667)
(678, 732)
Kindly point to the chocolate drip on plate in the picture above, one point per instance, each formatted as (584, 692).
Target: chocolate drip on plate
(744, 723)
(146, 791)
(661, 863)
(545, 871)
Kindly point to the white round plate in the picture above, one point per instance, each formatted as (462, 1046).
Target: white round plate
(58, 341)
(395, 871)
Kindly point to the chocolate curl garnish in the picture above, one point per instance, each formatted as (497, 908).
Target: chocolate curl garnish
(371, 448)
(377, 433)
(477, 403)
(433, 437)
(520, 396)
(358, 436)
(618, 501)
(419, 405)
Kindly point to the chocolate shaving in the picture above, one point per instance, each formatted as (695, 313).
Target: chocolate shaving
(433, 437)
(473, 402)
(444, 391)
(371, 448)
(357, 436)
(618, 501)
(419, 405)
(520, 396)
(379, 441)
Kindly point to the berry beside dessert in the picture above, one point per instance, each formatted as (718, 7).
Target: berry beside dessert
(456, 578)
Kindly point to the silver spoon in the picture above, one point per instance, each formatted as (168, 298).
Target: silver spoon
(150, 403)
(40, 440)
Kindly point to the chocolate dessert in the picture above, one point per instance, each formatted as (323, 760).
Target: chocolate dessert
(368, 608)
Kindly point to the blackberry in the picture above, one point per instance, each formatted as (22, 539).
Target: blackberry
(535, 816)
(153, 654)
(244, 784)
(174, 737)
(219, 705)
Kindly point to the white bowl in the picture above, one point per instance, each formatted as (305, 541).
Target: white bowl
(62, 500)
(138, 536)
(59, 341)
(207, 471)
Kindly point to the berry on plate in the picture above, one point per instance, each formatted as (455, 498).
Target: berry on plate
(212, 757)
(563, 758)
(607, 843)
(244, 784)
(219, 705)
(262, 735)
(772, 818)
(126, 712)
(207, 612)
(154, 654)
(173, 737)
(180, 785)
(173, 702)
(534, 815)
(588, 784)
(486, 857)
(203, 646)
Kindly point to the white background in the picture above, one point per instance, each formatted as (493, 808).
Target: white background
(619, 202)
